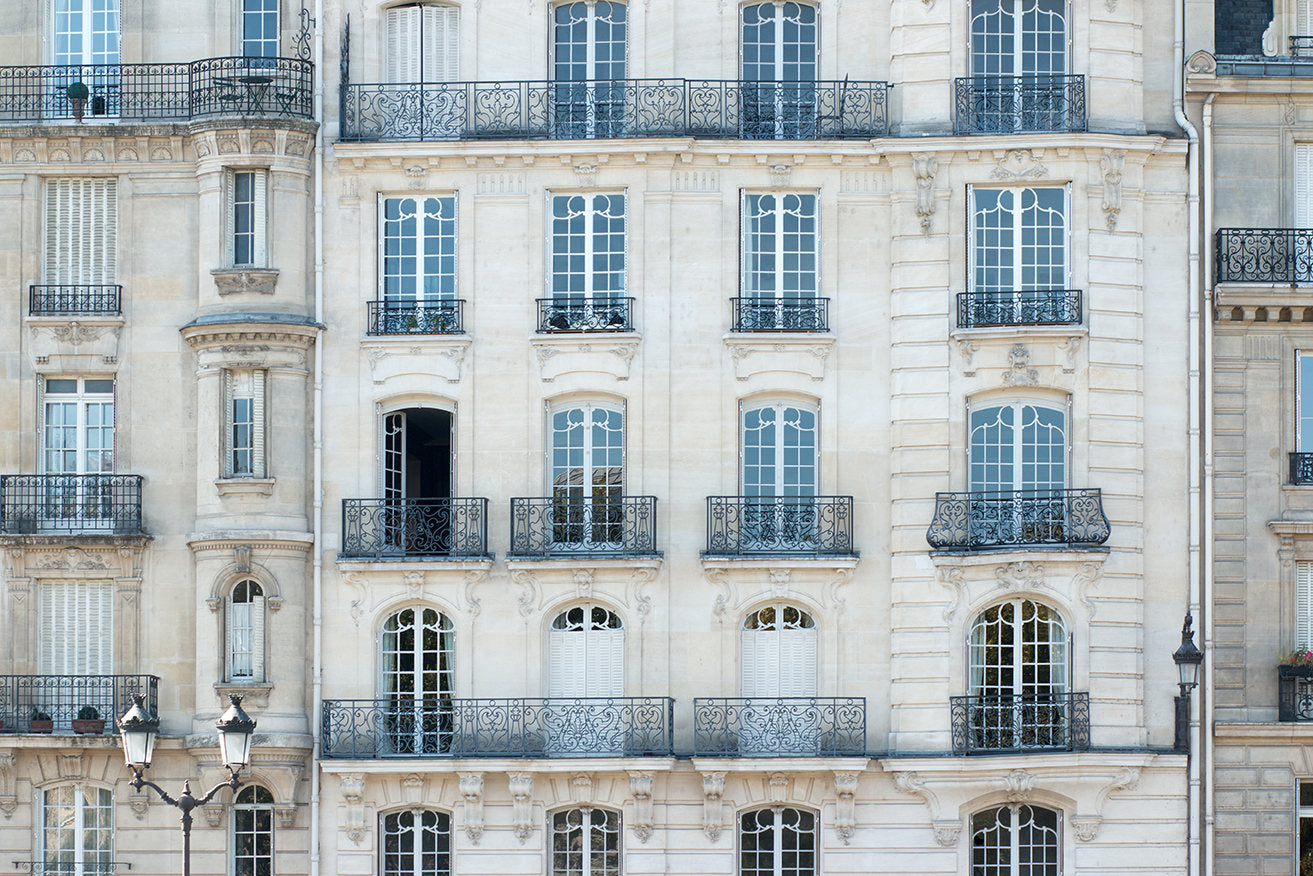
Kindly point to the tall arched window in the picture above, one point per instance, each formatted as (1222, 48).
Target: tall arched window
(77, 830)
(418, 680)
(779, 841)
(586, 653)
(1016, 840)
(587, 472)
(1018, 676)
(778, 653)
(1018, 37)
(585, 842)
(253, 832)
(1018, 446)
(416, 842)
(246, 632)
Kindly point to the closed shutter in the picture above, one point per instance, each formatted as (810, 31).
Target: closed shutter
(423, 44)
(441, 44)
(1303, 18)
(260, 252)
(258, 468)
(567, 663)
(759, 664)
(81, 231)
(605, 670)
(257, 638)
(1304, 185)
(76, 623)
(1304, 605)
(797, 662)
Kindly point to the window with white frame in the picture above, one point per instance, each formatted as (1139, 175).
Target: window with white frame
(1304, 866)
(1018, 446)
(778, 841)
(777, 653)
(419, 680)
(246, 640)
(780, 263)
(423, 43)
(86, 50)
(81, 231)
(585, 842)
(1303, 175)
(253, 832)
(244, 426)
(75, 623)
(416, 842)
(1304, 401)
(76, 836)
(259, 28)
(779, 451)
(777, 70)
(586, 269)
(246, 233)
(77, 453)
(1016, 840)
(586, 653)
(1018, 239)
(417, 265)
(1018, 676)
(1018, 37)
(588, 68)
(587, 457)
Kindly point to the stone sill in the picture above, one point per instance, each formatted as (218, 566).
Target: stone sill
(1015, 332)
(646, 561)
(410, 564)
(254, 694)
(245, 486)
(778, 561)
(375, 766)
(787, 763)
(1020, 554)
(230, 281)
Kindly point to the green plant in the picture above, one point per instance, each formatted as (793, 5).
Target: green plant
(88, 713)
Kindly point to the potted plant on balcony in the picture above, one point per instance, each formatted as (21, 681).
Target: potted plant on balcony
(88, 721)
(41, 722)
(1297, 664)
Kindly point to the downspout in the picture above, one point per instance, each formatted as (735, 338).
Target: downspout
(1195, 450)
(1206, 702)
(317, 451)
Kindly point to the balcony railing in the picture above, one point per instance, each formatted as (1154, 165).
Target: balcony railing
(1295, 693)
(88, 503)
(84, 704)
(259, 87)
(583, 526)
(387, 529)
(780, 526)
(1265, 255)
(575, 314)
(1301, 468)
(1301, 46)
(1018, 518)
(441, 317)
(629, 108)
(79, 300)
(787, 726)
(70, 868)
(592, 727)
(781, 314)
(1038, 307)
(1015, 104)
(1017, 722)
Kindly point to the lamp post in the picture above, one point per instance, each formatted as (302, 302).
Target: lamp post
(1187, 658)
(138, 729)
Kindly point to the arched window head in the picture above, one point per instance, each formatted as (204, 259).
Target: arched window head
(1016, 840)
(415, 842)
(585, 842)
(1018, 677)
(778, 653)
(253, 832)
(246, 639)
(779, 841)
(586, 653)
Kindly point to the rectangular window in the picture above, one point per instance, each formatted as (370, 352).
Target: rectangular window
(259, 28)
(81, 231)
(1303, 185)
(77, 425)
(1305, 866)
(418, 261)
(781, 247)
(1018, 37)
(586, 264)
(1304, 401)
(77, 830)
(1304, 604)
(244, 426)
(76, 624)
(1018, 240)
(247, 193)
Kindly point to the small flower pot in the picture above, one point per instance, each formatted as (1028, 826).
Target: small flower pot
(39, 726)
(88, 726)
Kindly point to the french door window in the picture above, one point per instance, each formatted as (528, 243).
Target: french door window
(587, 471)
(418, 680)
(77, 443)
(416, 842)
(246, 632)
(260, 28)
(586, 653)
(779, 478)
(778, 653)
(253, 832)
(588, 69)
(418, 264)
(75, 620)
(1019, 446)
(587, 263)
(1019, 265)
(778, 70)
(1015, 840)
(77, 830)
(81, 231)
(585, 842)
(86, 51)
(1018, 64)
(781, 251)
(780, 841)
(1018, 676)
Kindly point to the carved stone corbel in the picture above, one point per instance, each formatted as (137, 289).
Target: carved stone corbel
(638, 581)
(581, 787)
(8, 799)
(925, 166)
(286, 815)
(353, 793)
(1111, 165)
(713, 789)
(845, 810)
(473, 578)
(471, 790)
(528, 597)
(1019, 784)
(640, 788)
(521, 788)
(777, 787)
(947, 832)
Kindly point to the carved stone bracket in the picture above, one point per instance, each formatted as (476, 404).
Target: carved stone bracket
(967, 348)
(230, 281)
(581, 787)
(642, 599)
(954, 581)
(213, 815)
(521, 788)
(139, 803)
(286, 815)
(1019, 372)
(947, 832)
(1111, 165)
(1019, 784)
(528, 597)
(713, 789)
(353, 793)
(925, 165)
(1017, 164)
(640, 788)
(8, 798)
(471, 791)
(845, 810)
(473, 578)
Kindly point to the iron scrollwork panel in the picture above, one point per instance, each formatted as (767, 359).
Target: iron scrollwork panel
(788, 525)
(786, 726)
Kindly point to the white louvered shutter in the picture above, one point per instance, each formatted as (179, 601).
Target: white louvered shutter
(403, 38)
(1304, 185)
(258, 468)
(441, 44)
(566, 663)
(1304, 605)
(257, 638)
(81, 231)
(758, 664)
(1303, 18)
(797, 662)
(605, 670)
(260, 253)
(423, 44)
(76, 623)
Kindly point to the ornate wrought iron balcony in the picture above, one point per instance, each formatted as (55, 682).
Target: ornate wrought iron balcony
(1039, 307)
(1301, 468)
(1020, 722)
(87, 503)
(1295, 693)
(389, 529)
(1265, 255)
(605, 109)
(405, 727)
(780, 526)
(584, 526)
(1018, 518)
(441, 317)
(1301, 46)
(787, 726)
(84, 704)
(254, 87)
(1016, 104)
(781, 314)
(80, 300)
(70, 868)
(576, 314)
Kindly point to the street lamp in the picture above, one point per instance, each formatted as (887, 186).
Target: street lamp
(138, 729)
(1187, 658)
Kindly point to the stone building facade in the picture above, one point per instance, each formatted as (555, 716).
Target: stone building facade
(673, 437)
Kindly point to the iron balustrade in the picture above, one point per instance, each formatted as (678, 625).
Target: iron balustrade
(70, 868)
(445, 316)
(780, 526)
(1265, 255)
(780, 314)
(1032, 307)
(260, 87)
(1018, 518)
(442, 727)
(1301, 468)
(74, 300)
(577, 314)
(608, 109)
(1013, 104)
(35, 504)
(778, 727)
(584, 526)
(1301, 46)
(387, 529)
(1020, 722)
(83, 704)
(1295, 693)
